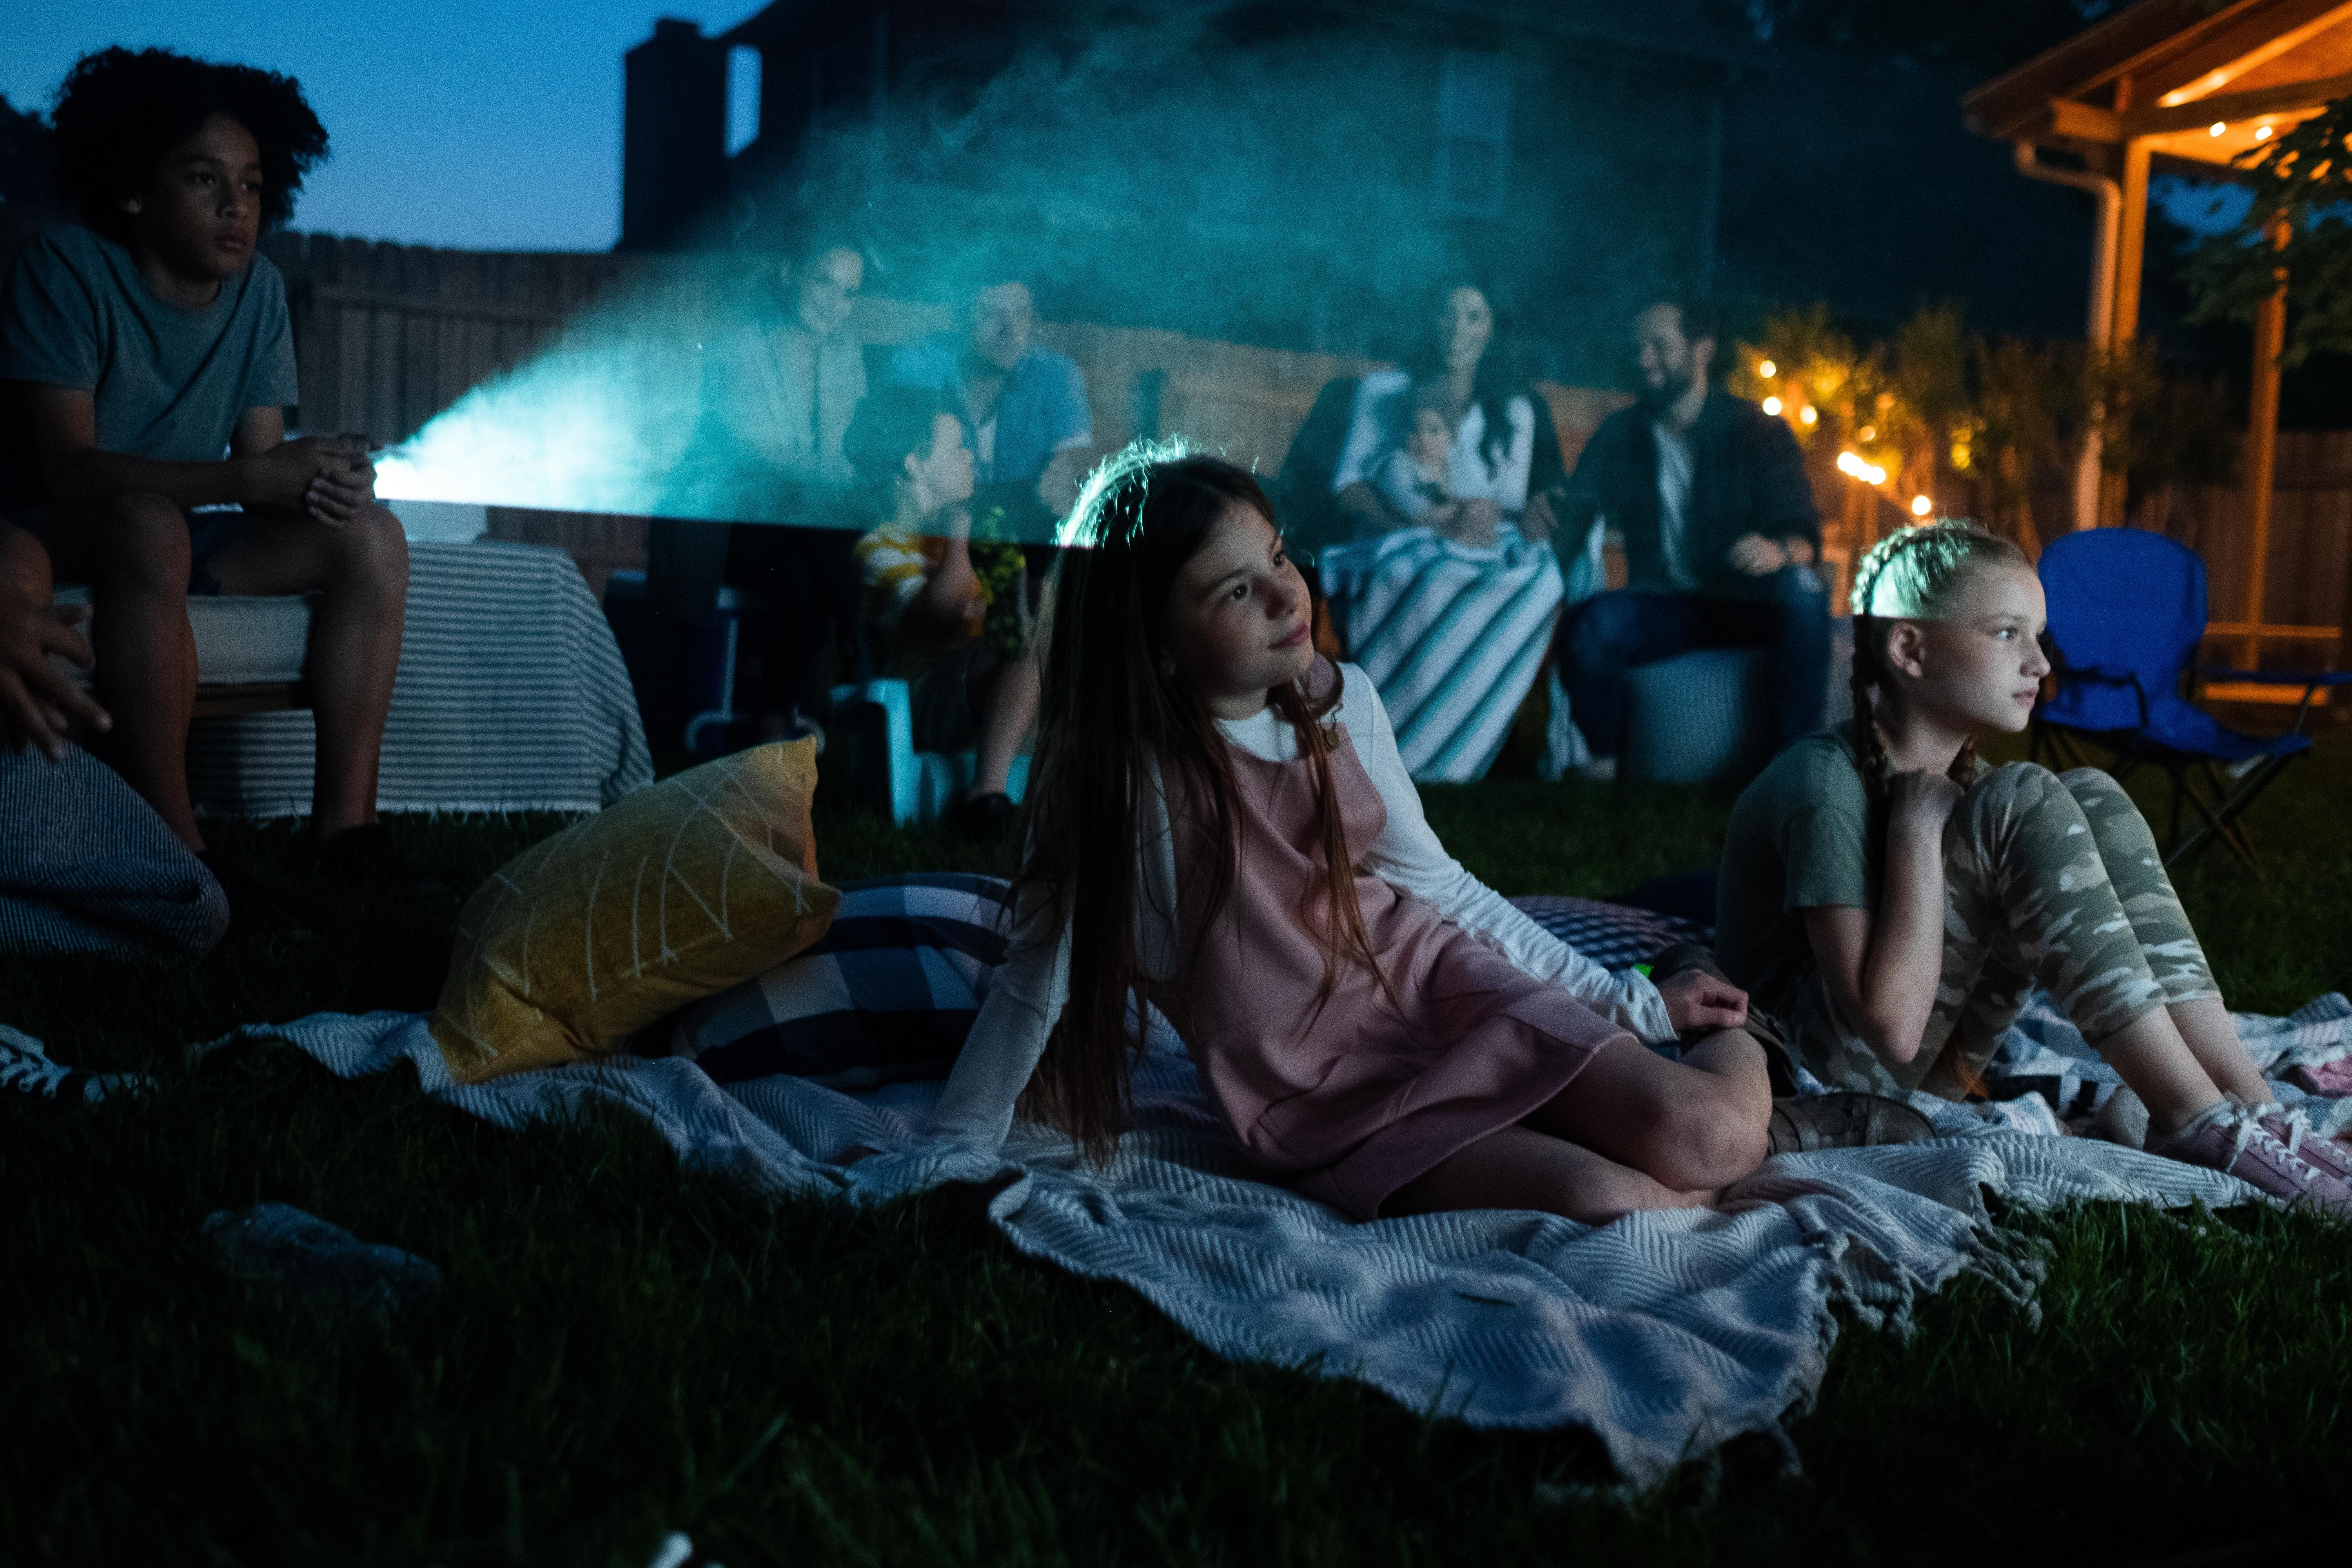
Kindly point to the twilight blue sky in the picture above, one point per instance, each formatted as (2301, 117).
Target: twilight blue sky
(480, 124)
(486, 124)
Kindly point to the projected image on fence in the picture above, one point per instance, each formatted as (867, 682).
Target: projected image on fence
(1200, 179)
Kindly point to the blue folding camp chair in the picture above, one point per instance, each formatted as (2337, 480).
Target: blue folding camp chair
(2127, 613)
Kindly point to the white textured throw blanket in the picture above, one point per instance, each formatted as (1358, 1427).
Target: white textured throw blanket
(511, 696)
(1664, 1333)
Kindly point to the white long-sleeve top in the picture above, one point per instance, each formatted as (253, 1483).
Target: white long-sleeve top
(1028, 992)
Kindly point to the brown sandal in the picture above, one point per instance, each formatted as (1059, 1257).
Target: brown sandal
(1844, 1121)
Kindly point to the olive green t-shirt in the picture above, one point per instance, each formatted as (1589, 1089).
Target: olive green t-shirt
(1799, 838)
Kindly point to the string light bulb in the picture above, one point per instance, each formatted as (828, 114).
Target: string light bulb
(1809, 413)
(1767, 369)
(1771, 405)
(1869, 473)
(2261, 133)
(2217, 128)
(1921, 506)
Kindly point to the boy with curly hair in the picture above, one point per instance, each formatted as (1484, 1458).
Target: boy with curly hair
(146, 359)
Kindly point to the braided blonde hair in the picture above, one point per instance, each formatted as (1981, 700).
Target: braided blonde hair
(1914, 574)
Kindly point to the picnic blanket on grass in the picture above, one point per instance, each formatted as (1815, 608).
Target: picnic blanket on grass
(1664, 1334)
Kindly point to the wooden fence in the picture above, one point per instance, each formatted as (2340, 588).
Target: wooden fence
(386, 336)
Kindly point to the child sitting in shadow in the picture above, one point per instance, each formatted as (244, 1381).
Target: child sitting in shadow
(146, 364)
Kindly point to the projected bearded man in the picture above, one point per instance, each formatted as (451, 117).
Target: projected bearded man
(147, 359)
(1022, 406)
(1709, 494)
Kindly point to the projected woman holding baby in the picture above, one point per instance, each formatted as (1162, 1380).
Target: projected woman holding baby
(1447, 595)
(778, 393)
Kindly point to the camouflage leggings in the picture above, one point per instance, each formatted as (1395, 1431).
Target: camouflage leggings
(2051, 880)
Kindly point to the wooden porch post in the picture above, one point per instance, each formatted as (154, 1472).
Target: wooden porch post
(2262, 448)
(2131, 247)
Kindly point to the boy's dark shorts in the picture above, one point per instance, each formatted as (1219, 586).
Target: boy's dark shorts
(208, 534)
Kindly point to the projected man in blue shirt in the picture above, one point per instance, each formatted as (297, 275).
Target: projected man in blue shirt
(1022, 405)
(146, 358)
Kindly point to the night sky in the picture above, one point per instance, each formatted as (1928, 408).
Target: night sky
(486, 124)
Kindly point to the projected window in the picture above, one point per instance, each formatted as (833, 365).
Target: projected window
(1474, 116)
(743, 98)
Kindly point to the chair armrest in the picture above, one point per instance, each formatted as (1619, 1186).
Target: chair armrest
(2314, 678)
(2093, 675)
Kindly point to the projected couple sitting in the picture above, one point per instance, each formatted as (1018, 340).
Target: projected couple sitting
(138, 345)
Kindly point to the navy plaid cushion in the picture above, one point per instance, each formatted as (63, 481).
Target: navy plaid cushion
(888, 995)
(891, 990)
(1614, 936)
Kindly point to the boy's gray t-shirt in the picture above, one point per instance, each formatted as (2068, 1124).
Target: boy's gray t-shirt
(1799, 839)
(169, 383)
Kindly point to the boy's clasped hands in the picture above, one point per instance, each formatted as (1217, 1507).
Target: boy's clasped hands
(328, 478)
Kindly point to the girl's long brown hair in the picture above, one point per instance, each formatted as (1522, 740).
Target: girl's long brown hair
(1110, 711)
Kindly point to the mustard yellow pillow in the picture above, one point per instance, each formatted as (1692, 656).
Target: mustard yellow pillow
(679, 890)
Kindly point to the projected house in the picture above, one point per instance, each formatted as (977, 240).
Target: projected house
(1570, 151)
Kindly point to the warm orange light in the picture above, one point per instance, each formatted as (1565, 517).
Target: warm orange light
(1869, 473)
(1767, 369)
(1809, 413)
(1771, 405)
(2216, 128)
(2261, 133)
(1921, 506)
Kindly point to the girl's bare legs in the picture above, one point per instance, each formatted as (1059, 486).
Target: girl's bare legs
(1520, 1168)
(1633, 1131)
(1695, 1125)
(2158, 1065)
(2212, 1038)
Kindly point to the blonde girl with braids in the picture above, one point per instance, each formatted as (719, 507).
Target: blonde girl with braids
(1895, 902)
(1220, 826)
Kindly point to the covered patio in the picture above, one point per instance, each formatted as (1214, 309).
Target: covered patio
(2183, 86)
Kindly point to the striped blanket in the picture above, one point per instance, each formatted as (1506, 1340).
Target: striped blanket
(511, 697)
(1452, 637)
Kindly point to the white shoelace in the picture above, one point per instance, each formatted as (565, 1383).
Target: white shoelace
(26, 1073)
(2247, 1127)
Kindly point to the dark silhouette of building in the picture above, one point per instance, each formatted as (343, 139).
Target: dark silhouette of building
(1297, 173)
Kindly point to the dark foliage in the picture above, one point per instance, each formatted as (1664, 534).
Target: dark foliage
(23, 159)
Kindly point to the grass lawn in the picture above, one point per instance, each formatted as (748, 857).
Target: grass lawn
(625, 1351)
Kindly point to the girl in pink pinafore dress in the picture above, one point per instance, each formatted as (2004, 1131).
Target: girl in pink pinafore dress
(1391, 1038)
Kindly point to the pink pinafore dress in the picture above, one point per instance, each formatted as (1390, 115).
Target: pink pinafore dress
(1354, 1100)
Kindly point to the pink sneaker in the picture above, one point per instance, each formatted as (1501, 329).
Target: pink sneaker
(2293, 1128)
(2233, 1141)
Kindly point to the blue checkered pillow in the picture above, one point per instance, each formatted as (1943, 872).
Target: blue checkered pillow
(1614, 936)
(888, 995)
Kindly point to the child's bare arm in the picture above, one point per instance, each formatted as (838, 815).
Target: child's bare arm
(1882, 972)
(945, 602)
(37, 707)
(61, 425)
